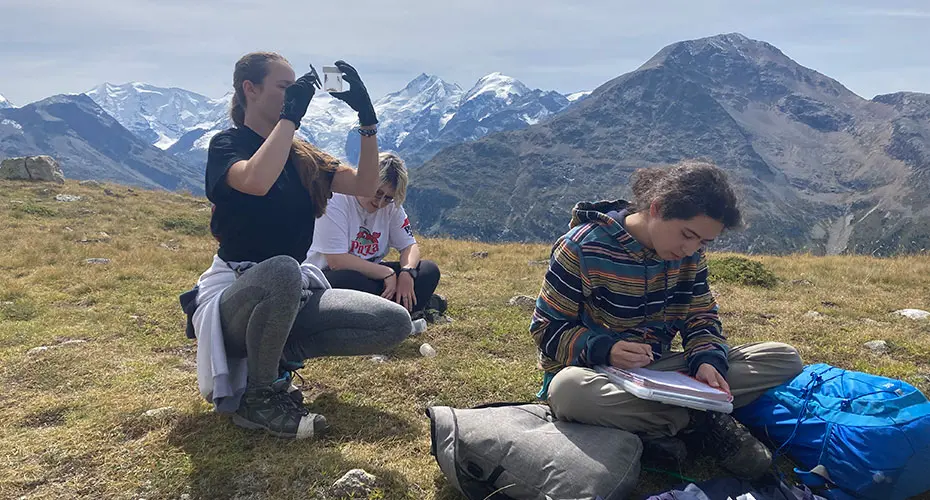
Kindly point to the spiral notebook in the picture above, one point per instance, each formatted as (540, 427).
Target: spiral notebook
(672, 388)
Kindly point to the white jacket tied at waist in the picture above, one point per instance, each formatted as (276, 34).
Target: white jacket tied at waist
(223, 380)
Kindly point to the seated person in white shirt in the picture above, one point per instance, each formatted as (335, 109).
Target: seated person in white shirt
(352, 238)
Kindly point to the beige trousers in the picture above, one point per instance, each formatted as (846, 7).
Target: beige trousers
(583, 395)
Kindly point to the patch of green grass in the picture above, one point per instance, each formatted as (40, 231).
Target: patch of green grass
(19, 310)
(740, 271)
(185, 225)
(37, 210)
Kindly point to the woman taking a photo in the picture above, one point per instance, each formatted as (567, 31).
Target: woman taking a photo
(257, 309)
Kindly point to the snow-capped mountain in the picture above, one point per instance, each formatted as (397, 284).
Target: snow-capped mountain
(159, 115)
(417, 112)
(90, 144)
(577, 96)
(4, 103)
(496, 103)
(416, 121)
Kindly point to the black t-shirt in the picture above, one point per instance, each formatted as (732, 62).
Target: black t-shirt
(255, 228)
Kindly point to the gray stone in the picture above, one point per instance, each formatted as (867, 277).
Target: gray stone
(159, 412)
(814, 315)
(877, 346)
(32, 168)
(97, 260)
(522, 301)
(379, 358)
(917, 314)
(355, 484)
(37, 350)
(67, 198)
(480, 255)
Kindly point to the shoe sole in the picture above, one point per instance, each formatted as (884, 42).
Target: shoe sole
(247, 424)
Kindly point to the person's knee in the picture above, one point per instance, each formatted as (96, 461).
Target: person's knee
(570, 392)
(283, 268)
(396, 325)
(430, 269)
(789, 359)
(279, 275)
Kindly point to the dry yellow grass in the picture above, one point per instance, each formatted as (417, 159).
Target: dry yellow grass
(71, 420)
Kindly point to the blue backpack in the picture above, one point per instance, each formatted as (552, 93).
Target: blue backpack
(856, 435)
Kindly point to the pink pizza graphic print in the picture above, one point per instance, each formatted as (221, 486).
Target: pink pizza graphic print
(366, 243)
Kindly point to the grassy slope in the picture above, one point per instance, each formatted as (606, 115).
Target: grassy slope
(70, 417)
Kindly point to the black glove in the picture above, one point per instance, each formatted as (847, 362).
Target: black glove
(357, 96)
(297, 97)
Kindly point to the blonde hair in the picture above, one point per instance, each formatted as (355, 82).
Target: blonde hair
(312, 164)
(394, 172)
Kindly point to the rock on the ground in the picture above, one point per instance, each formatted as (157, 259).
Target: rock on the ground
(877, 346)
(913, 313)
(32, 168)
(480, 255)
(379, 358)
(522, 301)
(158, 412)
(814, 315)
(97, 260)
(36, 350)
(67, 198)
(355, 484)
(427, 351)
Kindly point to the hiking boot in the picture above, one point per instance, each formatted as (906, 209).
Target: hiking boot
(271, 408)
(721, 437)
(288, 370)
(664, 452)
(437, 303)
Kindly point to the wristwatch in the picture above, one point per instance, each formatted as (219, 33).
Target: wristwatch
(412, 270)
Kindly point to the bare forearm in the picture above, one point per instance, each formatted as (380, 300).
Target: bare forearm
(264, 167)
(410, 256)
(368, 169)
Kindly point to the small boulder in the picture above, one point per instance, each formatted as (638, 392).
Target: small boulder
(379, 358)
(917, 314)
(522, 301)
(158, 412)
(480, 255)
(36, 350)
(97, 260)
(67, 198)
(355, 484)
(814, 315)
(32, 168)
(877, 346)
(427, 351)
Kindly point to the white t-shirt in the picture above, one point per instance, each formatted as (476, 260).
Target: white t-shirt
(346, 227)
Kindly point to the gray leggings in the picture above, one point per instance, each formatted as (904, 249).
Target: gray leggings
(263, 320)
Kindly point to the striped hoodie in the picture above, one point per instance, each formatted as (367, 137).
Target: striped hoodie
(603, 286)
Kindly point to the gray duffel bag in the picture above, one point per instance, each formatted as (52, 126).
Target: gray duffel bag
(521, 452)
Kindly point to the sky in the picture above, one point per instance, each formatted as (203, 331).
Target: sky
(49, 47)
